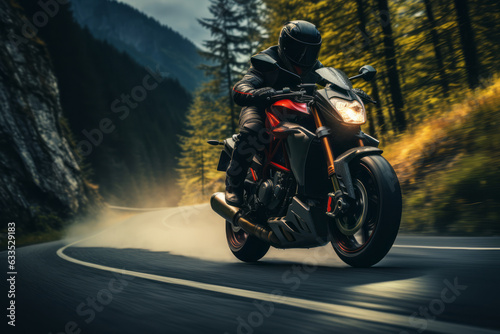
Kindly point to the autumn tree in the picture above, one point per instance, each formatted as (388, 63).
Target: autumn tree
(468, 42)
(437, 47)
(391, 64)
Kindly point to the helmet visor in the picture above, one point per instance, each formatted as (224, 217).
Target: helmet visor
(301, 53)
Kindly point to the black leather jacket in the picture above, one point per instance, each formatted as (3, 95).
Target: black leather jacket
(244, 89)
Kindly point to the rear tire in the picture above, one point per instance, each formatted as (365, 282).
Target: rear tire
(245, 247)
(381, 223)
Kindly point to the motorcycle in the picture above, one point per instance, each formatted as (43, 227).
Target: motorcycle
(320, 179)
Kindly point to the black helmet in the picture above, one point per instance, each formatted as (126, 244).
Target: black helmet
(300, 43)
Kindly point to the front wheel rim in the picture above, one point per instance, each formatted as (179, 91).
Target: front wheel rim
(356, 242)
(351, 223)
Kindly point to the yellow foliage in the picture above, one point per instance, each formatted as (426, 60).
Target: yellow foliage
(449, 167)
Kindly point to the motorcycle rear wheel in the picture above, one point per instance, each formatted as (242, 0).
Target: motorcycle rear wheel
(245, 247)
(383, 205)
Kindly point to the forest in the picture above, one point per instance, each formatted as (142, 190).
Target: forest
(437, 87)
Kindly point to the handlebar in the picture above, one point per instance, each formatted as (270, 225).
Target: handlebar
(288, 93)
(304, 89)
(281, 94)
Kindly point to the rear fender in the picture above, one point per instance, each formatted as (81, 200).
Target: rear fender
(342, 166)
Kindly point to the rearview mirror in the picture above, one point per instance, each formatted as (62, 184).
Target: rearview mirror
(264, 63)
(367, 72)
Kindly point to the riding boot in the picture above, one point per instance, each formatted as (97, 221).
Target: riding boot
(237, 171)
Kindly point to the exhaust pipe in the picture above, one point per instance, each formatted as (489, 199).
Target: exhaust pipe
(226, 211)
(233, 215)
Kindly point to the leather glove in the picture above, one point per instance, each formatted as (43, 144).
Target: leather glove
(260, 95)
(363, 95)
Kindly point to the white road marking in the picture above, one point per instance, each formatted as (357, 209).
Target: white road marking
(452, 248)
(123, 208)
(351, 312)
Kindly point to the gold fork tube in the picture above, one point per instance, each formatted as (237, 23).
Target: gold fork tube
(327, 146)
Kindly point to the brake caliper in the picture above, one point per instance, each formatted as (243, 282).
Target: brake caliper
(339, 206)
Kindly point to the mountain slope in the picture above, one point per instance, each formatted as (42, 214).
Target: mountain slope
(143, 38)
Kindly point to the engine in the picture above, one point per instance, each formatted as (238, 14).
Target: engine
(272, 192)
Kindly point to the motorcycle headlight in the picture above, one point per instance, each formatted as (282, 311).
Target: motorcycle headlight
(352, 112)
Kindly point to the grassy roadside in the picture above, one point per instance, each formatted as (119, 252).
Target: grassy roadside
(449, 168)
(33, 238)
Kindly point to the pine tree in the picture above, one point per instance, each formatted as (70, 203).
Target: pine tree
(236, 33)
(207, 118)
(252, 12)
(224, 49)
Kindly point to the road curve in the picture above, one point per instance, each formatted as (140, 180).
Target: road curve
(170, 271)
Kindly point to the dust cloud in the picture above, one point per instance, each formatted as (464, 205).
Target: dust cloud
(194, 231)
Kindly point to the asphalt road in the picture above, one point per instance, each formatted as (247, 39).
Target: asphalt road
(170, 271)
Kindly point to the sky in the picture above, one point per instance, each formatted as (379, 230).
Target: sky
(180, 15)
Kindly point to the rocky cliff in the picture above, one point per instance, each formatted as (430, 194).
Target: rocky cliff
(39, 172)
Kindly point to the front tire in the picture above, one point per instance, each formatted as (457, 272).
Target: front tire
(381, 203)
(246, 248)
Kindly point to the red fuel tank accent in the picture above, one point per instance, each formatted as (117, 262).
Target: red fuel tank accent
(295, 106)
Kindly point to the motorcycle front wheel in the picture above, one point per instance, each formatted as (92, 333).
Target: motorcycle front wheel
(246, 248)
(363, 236)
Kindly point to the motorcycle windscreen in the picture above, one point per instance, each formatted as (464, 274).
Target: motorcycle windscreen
(336, 77)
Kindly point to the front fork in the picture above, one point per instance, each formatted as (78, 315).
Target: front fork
(337, 197)
(323, 134)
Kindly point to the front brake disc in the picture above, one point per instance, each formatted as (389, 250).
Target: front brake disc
(352, 221)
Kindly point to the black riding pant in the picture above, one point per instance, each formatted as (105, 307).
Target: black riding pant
(252, 128)
(252, 139)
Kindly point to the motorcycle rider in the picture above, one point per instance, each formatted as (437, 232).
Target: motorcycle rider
(297, 51)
